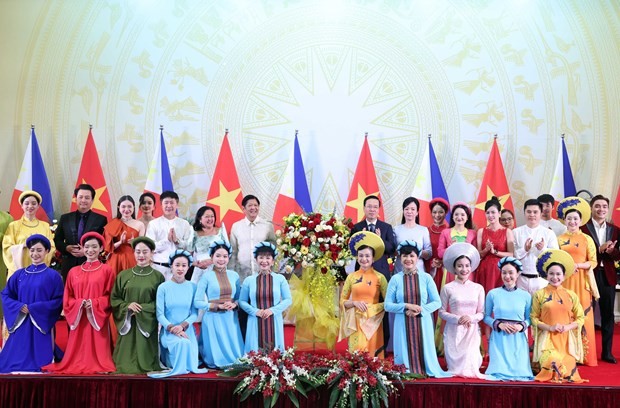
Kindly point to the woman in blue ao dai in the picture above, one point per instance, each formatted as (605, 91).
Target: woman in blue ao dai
(264, 297)
(412, 297)
(217, 294)
(176, 313)
(507, 313)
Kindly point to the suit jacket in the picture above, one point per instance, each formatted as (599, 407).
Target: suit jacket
(67, 234)
(613, 233)
(389, 240)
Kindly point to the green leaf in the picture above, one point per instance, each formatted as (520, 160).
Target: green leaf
(246, 393)
(334, 396)
(293, 398)
(352, 396)
(299, 387)
(274, 398)
(374, 400)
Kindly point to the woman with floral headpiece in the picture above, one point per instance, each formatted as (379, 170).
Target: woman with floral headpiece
(361, 299)
(176, 315)
(412, 297)
(462, 308)
(507, 313)
(557, 318)
(217, 294)
(264, 297)
(575, 212)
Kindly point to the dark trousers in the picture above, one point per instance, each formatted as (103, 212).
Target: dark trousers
(606, 305)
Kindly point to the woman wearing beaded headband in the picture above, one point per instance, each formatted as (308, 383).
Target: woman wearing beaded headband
(462, 308)
(14, 251)
(87, 309)
(176, 315)
(575, 212)
(32, 303)
(264, 297)
(133, 304)
(412, 297)
(218, 294)
(507, 313)
(557, 319)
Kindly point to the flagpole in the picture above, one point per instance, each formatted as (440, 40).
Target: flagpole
(90, 126)
(161, 128)
(495, 136)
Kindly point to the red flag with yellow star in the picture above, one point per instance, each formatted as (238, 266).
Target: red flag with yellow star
(495, 184)
(615, 211)
(225, 191)
(92, 173)
(364, 184)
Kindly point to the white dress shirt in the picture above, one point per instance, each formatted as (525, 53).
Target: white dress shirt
(555, 225)
(521, 234)
(158, 230)
(244, 235)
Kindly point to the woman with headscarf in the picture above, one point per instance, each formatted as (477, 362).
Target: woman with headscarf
(32, 303)
(361, 299)
(575, 212)
(557, 318)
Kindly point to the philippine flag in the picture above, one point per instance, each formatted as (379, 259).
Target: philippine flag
(563, 183)
(159, 178)
(294, 195)
(32, 176)
(428, 185)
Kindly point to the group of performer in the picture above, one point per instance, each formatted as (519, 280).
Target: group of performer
(133, 309)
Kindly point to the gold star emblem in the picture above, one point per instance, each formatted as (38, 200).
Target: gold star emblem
(490, 193)
(97, 204)
(358, 203)
(226, 200)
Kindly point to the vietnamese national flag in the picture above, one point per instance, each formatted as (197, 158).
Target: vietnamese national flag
(615, 211)
(428, 185)
(32, 176)
(294, 194)
(92, 173)
(563, 183)
(495, 184)
(364, 184)
(225, 191)
(159, 178)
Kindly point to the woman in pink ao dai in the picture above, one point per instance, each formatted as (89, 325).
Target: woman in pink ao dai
(462, 308)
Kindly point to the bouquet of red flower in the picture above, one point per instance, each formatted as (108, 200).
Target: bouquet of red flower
(315, 240)
(271, 374)
(358, 377)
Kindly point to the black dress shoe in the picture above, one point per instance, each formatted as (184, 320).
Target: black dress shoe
(610, 359)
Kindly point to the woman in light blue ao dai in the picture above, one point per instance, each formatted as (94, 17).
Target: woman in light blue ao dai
(176, 313)
(217, 294)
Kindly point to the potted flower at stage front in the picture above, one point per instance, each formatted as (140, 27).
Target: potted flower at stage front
(315, 246)
(272, 374)
(356, 377)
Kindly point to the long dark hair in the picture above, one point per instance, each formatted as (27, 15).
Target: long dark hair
(118, 206)
(408, 201)
(468, 223)
(201, 211)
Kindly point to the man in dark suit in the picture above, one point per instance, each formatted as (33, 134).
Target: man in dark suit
(605, 236)
(383, 229)
(73, 225)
